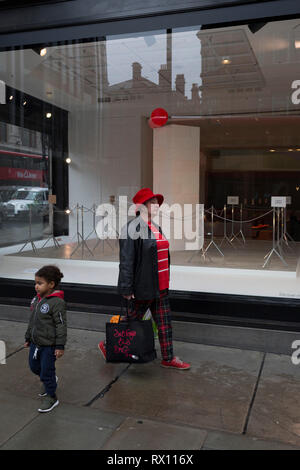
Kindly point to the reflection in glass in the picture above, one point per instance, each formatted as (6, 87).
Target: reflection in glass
(233, 130)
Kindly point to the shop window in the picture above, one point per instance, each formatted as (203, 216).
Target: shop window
(232, 132)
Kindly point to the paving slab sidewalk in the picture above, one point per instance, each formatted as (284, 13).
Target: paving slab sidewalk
(148, 407)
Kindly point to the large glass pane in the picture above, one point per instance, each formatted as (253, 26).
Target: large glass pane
(76, 129)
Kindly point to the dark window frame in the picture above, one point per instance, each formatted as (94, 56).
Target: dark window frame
(214, 17)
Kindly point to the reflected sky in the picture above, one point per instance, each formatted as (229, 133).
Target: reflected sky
(150, 50)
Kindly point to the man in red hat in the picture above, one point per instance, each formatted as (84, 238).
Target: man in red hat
(144, 272)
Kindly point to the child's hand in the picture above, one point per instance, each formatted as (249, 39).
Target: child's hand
(59, 353)
(27, 344)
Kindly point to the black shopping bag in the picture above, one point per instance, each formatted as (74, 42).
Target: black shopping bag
(130, 341)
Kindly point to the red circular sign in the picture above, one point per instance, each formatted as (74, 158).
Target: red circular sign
(159, 118)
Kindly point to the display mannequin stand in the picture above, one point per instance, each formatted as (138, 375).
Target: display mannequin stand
(81, 243)
(276, 239)
(102, 240)
(285, 236)
(240, 233)
(233, 236)
(201, 252)
(212, 242)
(51, 237)
(94, 231)
(225, 238)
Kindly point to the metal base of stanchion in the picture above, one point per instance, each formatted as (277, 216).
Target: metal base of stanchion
(103, 241)
(56, 244)
(269, 257)
(93, 210)
(237, 235)
(200, 252)
(286, 243)
(226, 239)
(213, 243)
(32, 245)
(83, 245)
(29, 240)
(276, 240)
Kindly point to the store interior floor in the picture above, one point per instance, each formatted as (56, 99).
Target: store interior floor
(248, 255)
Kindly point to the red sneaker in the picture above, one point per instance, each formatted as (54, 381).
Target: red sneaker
(102, 348)
(176, 363)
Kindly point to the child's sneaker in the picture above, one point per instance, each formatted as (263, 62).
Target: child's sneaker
(176, 363)
(102, 348)
(48, 404)
(43, 392)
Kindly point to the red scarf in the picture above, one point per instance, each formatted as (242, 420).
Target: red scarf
(162, 257)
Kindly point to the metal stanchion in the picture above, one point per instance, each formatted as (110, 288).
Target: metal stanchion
(233, 236)
(285, 235)
(225, 238)
(212, 242)
(29, 240)
(276, 239)
(101, 239)
(197, 252)
(77, 207)
(93, 210)
(51, 237)
(201, 251)
(81, 235)
(241, 222)
(77, 222)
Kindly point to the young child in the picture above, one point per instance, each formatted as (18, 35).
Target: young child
(46, 334)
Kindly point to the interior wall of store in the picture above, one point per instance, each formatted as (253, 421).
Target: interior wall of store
(176, 165)
(105, 149)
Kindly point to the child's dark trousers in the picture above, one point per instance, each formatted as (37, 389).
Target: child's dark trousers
(42, 363)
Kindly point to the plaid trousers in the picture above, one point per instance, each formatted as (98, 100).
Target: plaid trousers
(160, 310)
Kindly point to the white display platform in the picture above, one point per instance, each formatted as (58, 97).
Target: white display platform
(219, 280)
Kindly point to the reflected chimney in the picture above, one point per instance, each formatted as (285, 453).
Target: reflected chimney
(164, 77)
(195, 92)
(180, 84)
(136, 71)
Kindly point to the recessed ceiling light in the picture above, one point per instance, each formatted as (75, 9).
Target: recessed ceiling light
(68, 160)
(43, 52)
(226, 61)
(290, 150)
(24, 103)
(11, 98)
(272, 150)
(48, 115)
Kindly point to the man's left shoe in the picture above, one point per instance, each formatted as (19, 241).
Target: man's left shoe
(176, 363)
(102, 348)
(48, 404)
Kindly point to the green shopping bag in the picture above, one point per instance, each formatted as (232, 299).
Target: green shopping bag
(148, 316)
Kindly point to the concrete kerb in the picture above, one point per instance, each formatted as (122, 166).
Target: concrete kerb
(255, 339)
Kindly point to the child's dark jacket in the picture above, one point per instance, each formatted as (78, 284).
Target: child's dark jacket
(48, 322)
